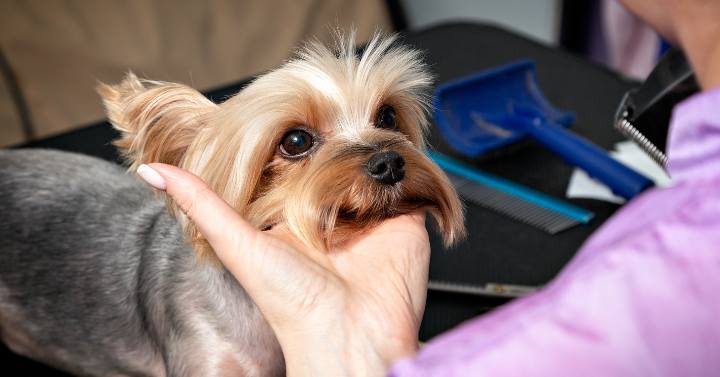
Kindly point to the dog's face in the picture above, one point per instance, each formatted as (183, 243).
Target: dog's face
(330, 143)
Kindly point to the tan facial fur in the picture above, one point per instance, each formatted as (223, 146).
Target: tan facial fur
(333, 94)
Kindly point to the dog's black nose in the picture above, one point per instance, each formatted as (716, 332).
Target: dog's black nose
(387, 167)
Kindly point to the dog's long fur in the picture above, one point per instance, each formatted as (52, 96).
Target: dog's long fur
(97, 277)
(233, 146)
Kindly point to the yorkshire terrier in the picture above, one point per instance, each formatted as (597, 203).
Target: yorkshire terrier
(98, 278)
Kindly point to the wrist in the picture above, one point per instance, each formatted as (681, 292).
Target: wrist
(334, 351)
(331, 355)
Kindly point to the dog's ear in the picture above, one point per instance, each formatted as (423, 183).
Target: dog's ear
(158, 120)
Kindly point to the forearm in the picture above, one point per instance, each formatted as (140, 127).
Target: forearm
(705, 59)
(701, 42)
(693, 25)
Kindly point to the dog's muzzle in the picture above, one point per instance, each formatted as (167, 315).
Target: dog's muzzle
(386, 167)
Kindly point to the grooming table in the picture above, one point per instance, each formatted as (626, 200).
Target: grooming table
(498, 249)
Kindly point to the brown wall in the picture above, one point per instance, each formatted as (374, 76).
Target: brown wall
(58, 50)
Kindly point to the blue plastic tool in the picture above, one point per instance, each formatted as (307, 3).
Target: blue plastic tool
(542, 211)
(495, 108)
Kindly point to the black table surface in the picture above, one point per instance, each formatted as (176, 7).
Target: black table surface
(498, 249)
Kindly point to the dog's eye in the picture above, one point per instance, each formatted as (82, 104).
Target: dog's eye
(386, 118)
(295, 143)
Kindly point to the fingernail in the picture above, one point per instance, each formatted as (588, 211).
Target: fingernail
(152, 177)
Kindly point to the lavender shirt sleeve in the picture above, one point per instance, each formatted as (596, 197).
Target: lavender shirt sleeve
(639, 299)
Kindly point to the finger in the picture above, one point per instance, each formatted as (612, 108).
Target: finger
(418, 216)
(409, 224)
(215, 219)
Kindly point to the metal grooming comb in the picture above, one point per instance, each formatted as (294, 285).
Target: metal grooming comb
(511, 199)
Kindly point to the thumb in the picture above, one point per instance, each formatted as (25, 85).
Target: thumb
(224, 228)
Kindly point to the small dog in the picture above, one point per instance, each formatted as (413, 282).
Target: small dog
(98, 278)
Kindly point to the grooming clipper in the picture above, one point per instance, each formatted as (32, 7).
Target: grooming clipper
(644, 112)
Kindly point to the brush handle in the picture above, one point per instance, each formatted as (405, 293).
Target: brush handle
(579, 152)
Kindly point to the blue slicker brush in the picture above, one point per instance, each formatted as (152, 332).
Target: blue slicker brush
(496, 108)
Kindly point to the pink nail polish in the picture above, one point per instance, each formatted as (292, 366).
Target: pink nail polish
(152, 177)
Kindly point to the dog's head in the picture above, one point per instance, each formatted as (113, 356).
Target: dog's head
(330, 143)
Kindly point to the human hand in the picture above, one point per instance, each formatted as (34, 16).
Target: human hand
(694, 25)
(350, 311)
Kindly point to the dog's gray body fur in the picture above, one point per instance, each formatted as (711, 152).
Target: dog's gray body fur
(95, 278)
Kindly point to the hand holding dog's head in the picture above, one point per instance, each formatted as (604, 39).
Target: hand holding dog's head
(330, 143)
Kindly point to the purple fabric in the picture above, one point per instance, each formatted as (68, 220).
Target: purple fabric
(641, 298)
